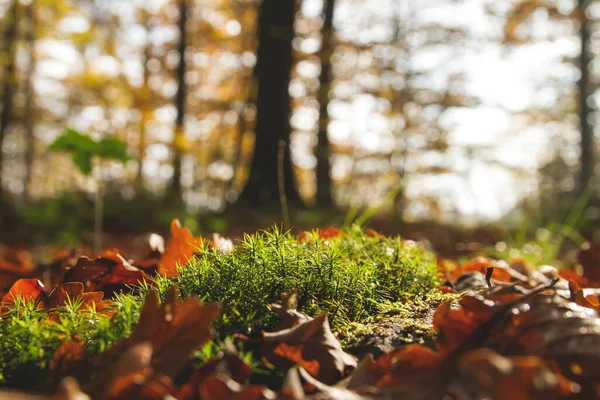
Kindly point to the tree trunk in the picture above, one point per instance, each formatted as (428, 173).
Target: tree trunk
(143, 100)
(8, 84)
(274, 64)
(585, 111)
(30, 103)
(178, 137)
(324, 184)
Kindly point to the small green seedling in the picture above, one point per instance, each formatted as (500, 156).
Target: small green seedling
(84, 149)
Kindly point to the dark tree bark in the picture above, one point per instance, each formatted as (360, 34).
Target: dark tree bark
(585, 110)
(8, 83)
(274, 63)
(180, 97)
(29, 102)
(324, 184)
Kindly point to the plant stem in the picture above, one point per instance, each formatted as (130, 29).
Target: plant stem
(98, 205)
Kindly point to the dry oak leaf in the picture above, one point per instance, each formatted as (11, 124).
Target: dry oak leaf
(180, 249)
(228, 363)
(312, 345)
(287, 313)
(537, 323)
(133, 377)
(335, 392)
(515, 377)
(578, 296)
(109, 272)
(67, 292)
(67, 358)
(173, 329)
(68, 390)
(217, 386)
(481, 264)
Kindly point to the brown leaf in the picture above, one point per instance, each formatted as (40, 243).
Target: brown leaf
(481, 264)
(312, 345)
(73, 291)
(228, 363)
(155, 387)
(109, 272)
(219, 386)
(67, 357)
(287, 313)
(173, 329)
(589, 258)
(131, 368)
(517, 377)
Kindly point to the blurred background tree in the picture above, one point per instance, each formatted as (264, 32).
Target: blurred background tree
(480, 111)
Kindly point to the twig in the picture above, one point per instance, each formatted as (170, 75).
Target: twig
(488, 276)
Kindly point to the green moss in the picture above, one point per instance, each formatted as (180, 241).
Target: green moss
(352, 277)
(347, 277)
(396, 324)
(29, 337)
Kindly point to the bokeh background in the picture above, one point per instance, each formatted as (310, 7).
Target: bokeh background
(456, 112)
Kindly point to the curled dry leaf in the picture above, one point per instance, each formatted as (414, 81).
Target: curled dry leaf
(67, 358)
(73, 291)
(485, 372)
(173, 329)
(287, 313)
(180, 249)
(219, 386)
(27, 289)
(481, 264)
(109, 272)
(578, 296)
(312, 345)
(228, 363)
(589, 258)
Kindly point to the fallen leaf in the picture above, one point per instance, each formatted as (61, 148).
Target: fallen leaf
(109, 272)
(27, 289)
(312, 345)
(219, 386)
(180, 249)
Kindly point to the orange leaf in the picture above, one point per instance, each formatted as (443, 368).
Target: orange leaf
(180, 249)
(28, 289)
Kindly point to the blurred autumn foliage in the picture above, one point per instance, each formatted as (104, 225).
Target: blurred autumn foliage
(367, 99)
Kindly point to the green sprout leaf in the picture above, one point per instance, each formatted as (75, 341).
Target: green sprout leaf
(83, 148)
(83, 161)
(72, 141)
(112, 149)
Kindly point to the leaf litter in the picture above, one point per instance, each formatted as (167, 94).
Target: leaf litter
(513, 332)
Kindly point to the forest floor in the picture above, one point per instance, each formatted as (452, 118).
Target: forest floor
(327, 314)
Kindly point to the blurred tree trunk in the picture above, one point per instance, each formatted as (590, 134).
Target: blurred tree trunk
(324, 184)
(274, 64)
(585, 110)
(29, 100)
(8, 77)
(143, 100)
(174, 192)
